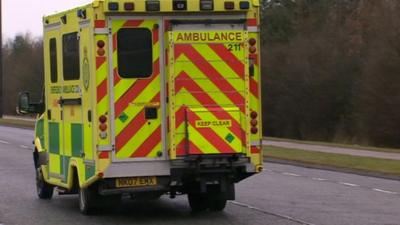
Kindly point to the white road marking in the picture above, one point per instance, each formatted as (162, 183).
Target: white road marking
(349, 184)
(292, 174)
(270, 213)
(4, 142)
(24, 146)
(386, 192)
(319, 179)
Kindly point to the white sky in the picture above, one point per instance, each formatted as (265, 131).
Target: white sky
(20, 16)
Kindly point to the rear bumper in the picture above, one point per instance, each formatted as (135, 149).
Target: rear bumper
(194, 172)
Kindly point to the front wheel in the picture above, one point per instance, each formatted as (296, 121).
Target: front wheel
(43, 189)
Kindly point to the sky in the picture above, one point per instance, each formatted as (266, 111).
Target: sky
(21, 16)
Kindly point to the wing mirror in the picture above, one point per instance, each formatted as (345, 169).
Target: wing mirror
(26, 107)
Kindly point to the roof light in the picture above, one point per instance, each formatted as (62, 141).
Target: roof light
(152, 6)
(113, 6)
(244, 5)
(229, 5)
(129, 6)
(179, 5)
(206, 4)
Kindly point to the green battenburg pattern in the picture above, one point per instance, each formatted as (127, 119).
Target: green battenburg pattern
(54, 138)
(77, 140)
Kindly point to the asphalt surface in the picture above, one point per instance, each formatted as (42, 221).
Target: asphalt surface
(282, 194)
(331, 149)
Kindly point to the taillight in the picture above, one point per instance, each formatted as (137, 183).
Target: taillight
(254, 130)
(101, 44)
(252, 41)
(103, 126)
(253, 115)
(254, 122)
(253, 49)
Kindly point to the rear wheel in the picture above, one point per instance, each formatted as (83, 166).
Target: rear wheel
(198, 202)
(43, 189)
(88, 199)
(216, 203)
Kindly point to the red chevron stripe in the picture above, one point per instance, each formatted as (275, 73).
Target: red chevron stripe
(100, 61)
(229, 58)
(117, 78)
(148, 145)
(193, 149)
(101, 90)
(99, 23)
(252, 22)
(155, 36)
(133, 127)
(201, 96)
(210, 135)
(135, 90)
(129, 131)
(104, 155)
(254, 88)
(255, 150)
(210, 72)
(115, 42)
(133, 23)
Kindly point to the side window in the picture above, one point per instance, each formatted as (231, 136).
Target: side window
(53, 60)
(71, 56)
(135, 52)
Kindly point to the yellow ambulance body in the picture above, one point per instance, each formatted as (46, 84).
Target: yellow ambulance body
(149, 98)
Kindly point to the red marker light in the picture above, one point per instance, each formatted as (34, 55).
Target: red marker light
(254, 130)
(253, 49)
(101, 52)
(254, 122)
(101, 44)
(103, 119)
(253, 115)
(103, 127)
(252, 41)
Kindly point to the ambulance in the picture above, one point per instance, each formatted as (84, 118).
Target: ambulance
(144, 98)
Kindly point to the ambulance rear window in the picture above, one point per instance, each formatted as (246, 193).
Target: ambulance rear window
(71, 56)
(135, 53)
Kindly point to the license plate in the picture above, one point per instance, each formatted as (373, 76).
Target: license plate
(135, 182)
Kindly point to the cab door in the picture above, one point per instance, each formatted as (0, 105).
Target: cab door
(137, 89)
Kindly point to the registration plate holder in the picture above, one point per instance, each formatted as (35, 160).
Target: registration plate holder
(135, 182)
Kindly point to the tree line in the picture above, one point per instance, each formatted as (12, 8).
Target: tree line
(330, 70)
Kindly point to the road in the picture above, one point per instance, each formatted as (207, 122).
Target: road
(332, 149)
(282, 194)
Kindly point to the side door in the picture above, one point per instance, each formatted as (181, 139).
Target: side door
(53, 80)
(137, 108)
(71, 100)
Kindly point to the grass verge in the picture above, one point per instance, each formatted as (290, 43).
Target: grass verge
(356, 163)
(355, 147)
(17, 123)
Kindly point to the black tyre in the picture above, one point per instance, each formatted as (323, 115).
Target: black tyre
(88, 200)
(198, 202)
(43, 189)
(216, 203)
